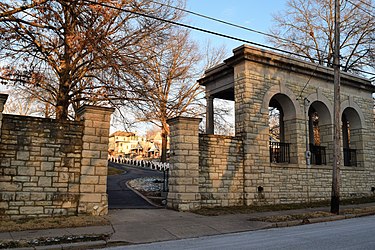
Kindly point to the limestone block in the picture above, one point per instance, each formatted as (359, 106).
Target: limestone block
(4, 205)
(23, 196)
(21, 178)
(73, 188)
(89, 179)
(87, 188)
(101, 162)
(87, 170)
(90, 198)
(91, 139)
(23, 155)
(100, 188)
(99, 146)
(90, 154)
(192, 189)
(45, 181)
(5, 178)
(37, 196)
(31, 210)
(101, 171)
(86, 161)
(102, 180)
(47, 151)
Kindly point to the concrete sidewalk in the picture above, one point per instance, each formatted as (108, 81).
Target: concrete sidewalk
(134, 226)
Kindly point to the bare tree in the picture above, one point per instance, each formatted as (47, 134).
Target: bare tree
(307, 28)
(23, 103)
(7, 9)
(169, 86)
(73, 50)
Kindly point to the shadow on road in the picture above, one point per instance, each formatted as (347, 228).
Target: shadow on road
(122, 197)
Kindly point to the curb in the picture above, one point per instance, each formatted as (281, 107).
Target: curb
(70, 246)
(142, 196)
(319, 220)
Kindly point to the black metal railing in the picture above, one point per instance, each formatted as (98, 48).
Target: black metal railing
(318, 155)
(279, 152)
(350, 157)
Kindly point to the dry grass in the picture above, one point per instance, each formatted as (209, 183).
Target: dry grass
(215, 211)
(291, 217)
(114, 171)
(55, 222)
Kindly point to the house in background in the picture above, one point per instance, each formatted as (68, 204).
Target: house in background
(129, 145)
(126, 144)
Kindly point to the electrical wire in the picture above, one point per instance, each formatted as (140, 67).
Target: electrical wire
(359, 7)
(365, 3)
(199, 29)
(236, 25)
(210, 32)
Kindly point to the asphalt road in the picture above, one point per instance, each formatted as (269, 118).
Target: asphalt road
(119, 195)
(355, 233)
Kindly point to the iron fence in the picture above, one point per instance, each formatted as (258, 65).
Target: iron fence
(279, 152)
(350, 157)
(318, 155)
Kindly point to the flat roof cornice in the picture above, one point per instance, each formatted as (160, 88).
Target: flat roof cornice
(288, 63)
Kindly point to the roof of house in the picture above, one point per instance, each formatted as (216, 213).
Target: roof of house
(122, 133)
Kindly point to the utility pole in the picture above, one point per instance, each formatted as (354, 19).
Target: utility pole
(335, 198)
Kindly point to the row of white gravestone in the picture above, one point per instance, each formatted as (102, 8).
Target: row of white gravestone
(160, 166)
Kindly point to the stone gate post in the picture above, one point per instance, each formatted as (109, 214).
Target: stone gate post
(184, 177)
(94, 163)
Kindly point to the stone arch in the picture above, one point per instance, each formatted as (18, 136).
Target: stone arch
(320, 129)
(285, 148)
(353, 123)
(320, 102)
(355, 111)
(290, 102)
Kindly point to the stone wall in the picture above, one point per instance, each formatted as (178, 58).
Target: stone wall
(52, 168)
(220, 170)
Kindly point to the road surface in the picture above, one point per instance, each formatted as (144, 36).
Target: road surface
(119, 195)
(355, 233)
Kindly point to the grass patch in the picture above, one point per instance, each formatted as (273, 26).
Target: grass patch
(115, 171)
(215, 211)
(54, 222)
(292, 217)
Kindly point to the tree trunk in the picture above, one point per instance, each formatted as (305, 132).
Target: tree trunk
(164, 141)
(62, 101)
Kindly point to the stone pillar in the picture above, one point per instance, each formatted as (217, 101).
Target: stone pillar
(184, 177)
(209, 115)
(3, 99)
(94, 164)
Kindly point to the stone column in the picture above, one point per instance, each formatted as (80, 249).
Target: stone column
(94, 164)
(209, 115)
(184, 177)
(3, 99)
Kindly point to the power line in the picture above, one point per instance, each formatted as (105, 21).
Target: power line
(210, 32)
(237, 26)
(308, 81)
(199, 29)
(360, 7)
(365, 3)
(252, 30)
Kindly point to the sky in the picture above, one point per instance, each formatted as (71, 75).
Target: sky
(254, 14)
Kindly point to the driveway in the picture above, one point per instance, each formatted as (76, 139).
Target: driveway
(119, 195)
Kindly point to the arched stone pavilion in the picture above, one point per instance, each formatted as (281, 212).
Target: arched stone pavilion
(248, 169)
